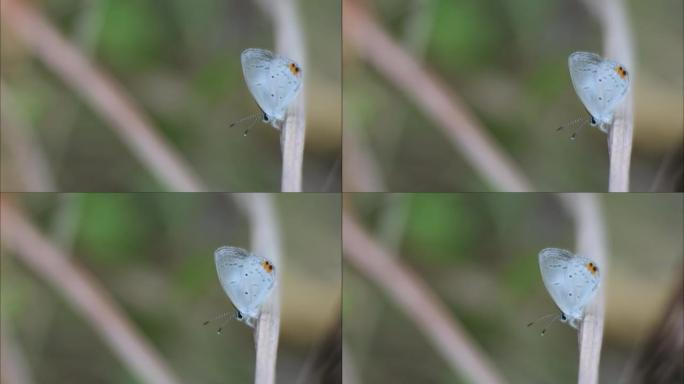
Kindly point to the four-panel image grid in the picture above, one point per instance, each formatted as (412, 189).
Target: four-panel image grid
(342, 191)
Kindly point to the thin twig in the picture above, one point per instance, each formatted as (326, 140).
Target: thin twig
(84, 293)
(618, 45)
(361, 172)
(102, 93)
(28, 160)
(290, 43)
(591, 243)
(265, 241)
(349, 372)
(15, 367)
(416, 299)
(449, 113)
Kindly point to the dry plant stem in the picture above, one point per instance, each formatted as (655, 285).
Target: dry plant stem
(101, 92)
(361, 173)
(617, 45)
(349, 373)
(15, 368)
(418, 302)
(265, 241)
(591, 242)
(290, 43)
(28, 162)
(373, 43)
(84, 293)
(26, 155)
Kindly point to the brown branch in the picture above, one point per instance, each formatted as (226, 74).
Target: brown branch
(265, 241)
(103, 94)
(413, 296)
(290, 43)
(449, 113)
(618, 45)
(84, 293)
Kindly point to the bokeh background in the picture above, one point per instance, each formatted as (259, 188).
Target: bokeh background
(154, 254)
(180, 61)
(507, 61)
(478, 253)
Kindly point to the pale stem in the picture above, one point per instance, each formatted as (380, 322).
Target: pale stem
(591, 242)
(265, 241)
(289, 41)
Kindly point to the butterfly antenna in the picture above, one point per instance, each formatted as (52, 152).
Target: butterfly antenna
(254, 120)
(540, 318)
(574, 134)
(549, 324)
(240, 121)
(217, 317)
(218, 331)
(570, 124)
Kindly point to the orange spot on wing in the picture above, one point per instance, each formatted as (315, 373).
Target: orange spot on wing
(621, 71)
(268, 267)
(294, 69)
(592, 268)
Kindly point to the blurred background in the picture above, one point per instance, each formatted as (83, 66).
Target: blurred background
(478, 253)
(154, 254)
(507, 62)
(180, 62)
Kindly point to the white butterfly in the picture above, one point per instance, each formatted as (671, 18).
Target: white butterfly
(246, 278)
(273, 80)
(571, 280)
(601, 84)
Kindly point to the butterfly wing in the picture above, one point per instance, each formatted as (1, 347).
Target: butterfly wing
(273, 80)
(569, 279)
(247, 279)
(612, 87)
(583, 284)
(600, 84)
